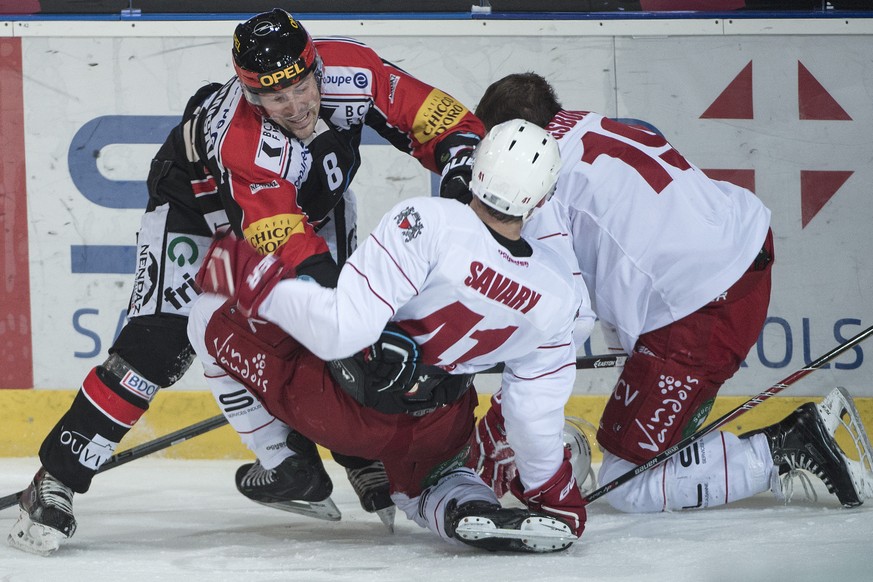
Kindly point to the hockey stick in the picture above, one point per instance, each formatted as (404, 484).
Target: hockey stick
(142, 450)
(582, 363)
(181, 435)
(745, 407)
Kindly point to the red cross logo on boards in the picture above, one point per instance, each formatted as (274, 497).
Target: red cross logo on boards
(817, 187)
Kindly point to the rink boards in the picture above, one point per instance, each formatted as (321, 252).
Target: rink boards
(779, 106)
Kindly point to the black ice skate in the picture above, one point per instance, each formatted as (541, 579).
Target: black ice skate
(46, 516)
(299, 484)
(804, 440)
(370, 482)
(498, 529)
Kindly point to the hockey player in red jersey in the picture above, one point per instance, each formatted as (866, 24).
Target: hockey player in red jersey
(268, 153)
(678, 267)
(462, 283)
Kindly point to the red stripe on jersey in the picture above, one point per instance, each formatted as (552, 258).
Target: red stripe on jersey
(396, 264)
(664, 484)
(379, 297)
(551, 235)
(724, 456)
(543, 375)
(110, 403)
(553, 347)
(256, 429)
(205, 186)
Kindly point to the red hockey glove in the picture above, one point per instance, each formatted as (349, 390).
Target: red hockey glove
(493, 458)
(234, 269)
(558, 497)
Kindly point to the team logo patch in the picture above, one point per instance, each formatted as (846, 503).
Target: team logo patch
(409, 221)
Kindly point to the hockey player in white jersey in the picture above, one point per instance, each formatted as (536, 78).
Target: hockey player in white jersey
(678, 267)
(472, 293)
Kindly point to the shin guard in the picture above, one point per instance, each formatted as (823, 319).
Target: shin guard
(87, 435)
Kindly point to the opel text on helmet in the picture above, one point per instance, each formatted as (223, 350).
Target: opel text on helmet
(515, 167)
(272, 51)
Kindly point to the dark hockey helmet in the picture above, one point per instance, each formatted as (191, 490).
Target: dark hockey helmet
(272, 51)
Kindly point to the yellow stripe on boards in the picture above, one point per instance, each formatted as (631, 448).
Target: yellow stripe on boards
(26, 416)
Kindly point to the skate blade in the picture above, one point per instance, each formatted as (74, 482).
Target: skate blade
(34, 538)
(838, 410)
(536, 534)
(326, 510)
(387, 516)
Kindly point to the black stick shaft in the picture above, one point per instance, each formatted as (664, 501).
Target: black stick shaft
(582, 363)
(142, 450)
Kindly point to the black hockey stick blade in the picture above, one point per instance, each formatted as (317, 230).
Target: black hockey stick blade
(726, 418)
(139, 451)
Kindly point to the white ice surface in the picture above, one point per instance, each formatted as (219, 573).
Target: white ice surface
(171, 520)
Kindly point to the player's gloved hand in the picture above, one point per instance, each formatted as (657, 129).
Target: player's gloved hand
(493, 458)
(234, 269)
(558, 497)
(391, 363)
(456, 176)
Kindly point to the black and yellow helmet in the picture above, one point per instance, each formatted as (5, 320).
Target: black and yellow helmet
(272, 51)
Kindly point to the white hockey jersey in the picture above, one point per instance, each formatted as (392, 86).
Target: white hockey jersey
(433, 267)
(656, 239)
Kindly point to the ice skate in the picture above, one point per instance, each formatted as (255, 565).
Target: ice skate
(46, 517)
(371, 485)
(838, 410)
(497, 529)
(805, 441)
(299, 484)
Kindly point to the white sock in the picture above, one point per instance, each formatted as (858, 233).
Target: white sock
(259, 430)
(719, 468)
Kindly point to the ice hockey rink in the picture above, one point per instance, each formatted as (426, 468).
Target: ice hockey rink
(805, 146)
(182, 520)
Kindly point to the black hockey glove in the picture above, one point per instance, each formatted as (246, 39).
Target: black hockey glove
(389, 365)
(455, 181)
(391, 362)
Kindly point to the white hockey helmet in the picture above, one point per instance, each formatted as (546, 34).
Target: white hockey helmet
(576, 431)
(515, 167)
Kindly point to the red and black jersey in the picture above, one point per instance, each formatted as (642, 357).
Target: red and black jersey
(274, 187)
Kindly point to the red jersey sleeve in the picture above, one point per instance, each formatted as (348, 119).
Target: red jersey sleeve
(431, 121)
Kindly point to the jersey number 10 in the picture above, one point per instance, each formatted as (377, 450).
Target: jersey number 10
(638, 155)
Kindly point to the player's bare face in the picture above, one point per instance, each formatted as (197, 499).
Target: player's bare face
(295, 108)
